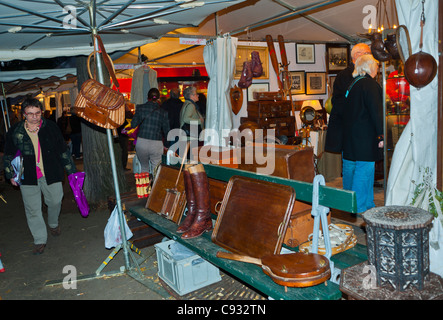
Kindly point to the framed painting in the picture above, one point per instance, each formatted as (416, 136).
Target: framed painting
(331, 80)
(298, 84)
(315, 83)
(337, 57)
(257, 87)
(305, 53)
(244, 54)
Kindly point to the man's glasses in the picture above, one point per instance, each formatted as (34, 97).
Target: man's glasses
(30, 114)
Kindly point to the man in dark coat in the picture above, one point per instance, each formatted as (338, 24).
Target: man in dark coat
(334, 133)
(362, 132)
(173, 105)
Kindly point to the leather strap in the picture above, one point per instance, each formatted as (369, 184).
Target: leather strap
(352, 84)
(107, 61)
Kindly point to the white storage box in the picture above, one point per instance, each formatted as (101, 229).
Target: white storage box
(182, 269)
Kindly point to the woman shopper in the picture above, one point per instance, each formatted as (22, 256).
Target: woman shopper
(153, 127)
(362, 132)
(190, 115)
(45, 157)
(191, 119)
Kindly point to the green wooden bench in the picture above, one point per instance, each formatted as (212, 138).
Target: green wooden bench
(252, 274)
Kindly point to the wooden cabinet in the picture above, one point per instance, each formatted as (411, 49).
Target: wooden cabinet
(272, 115)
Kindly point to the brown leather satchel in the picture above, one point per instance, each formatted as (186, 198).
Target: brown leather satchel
(98, 103)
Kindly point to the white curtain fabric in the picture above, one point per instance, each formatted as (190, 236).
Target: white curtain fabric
(417, 146)
(219, 56)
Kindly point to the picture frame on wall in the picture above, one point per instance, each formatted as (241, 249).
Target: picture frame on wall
(244, 54)
(256, 87)
(315, 83)
(331, 80)
(298, 84)
(337, 57)
(305, 53)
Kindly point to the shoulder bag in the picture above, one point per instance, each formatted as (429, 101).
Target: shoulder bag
(98, 103)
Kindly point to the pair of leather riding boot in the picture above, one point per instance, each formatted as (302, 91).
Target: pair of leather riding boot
(198, 220)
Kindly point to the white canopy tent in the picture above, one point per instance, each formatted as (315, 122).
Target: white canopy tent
(312, 21)
(45, 29)
(8, 76)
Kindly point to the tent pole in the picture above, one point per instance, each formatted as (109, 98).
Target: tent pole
(112, 156)
(135, 272)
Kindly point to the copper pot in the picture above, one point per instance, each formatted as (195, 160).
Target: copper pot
(420, 69)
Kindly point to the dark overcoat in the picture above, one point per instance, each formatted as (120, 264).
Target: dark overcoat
(55, 153)
(334, 133)
(363, 121)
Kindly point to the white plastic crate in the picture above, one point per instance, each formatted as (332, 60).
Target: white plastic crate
(182, 269)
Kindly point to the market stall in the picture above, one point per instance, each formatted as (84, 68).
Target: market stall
(286, 100)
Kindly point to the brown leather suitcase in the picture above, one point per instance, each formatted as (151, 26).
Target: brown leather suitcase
(217, 189)
(301, 224)
(222, 156)
(165, 179)
(289, 163)
(254, 216)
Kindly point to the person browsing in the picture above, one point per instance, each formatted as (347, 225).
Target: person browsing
(45, 158)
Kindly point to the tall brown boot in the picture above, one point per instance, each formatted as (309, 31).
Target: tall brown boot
(200, 185)
(190, 198)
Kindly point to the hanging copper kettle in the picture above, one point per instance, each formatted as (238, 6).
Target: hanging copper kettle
(421, 67)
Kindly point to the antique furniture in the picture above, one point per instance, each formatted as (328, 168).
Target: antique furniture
(398, 245)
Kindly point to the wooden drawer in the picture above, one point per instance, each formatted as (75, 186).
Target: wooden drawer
(269, 109)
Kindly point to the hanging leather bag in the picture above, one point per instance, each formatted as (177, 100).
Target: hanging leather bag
(98, 103)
